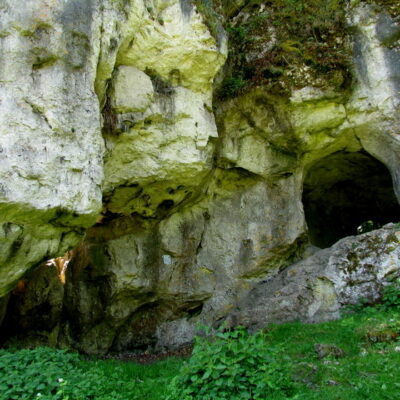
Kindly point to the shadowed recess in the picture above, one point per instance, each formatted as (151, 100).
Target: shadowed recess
(346, 191)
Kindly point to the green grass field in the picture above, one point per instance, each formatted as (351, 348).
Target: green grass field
(358, 358)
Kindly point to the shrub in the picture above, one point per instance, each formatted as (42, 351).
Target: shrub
(33, 374)
(49, 374)
(232, 365)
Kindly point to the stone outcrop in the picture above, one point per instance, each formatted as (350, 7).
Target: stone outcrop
(195, 207)
(50, 132)
(315, 289)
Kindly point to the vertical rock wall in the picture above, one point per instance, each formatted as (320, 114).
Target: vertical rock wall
(187, 222)
(50, 131)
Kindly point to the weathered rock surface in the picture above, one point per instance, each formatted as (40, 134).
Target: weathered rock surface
(311, 290)
(54, 57)
(316, 288)
(193, 211)
(50, 131)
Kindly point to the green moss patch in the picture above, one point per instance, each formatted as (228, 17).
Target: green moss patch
(287, 44)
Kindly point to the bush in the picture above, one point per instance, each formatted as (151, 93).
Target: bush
(44, 374)
(232, 365)
(33, 374)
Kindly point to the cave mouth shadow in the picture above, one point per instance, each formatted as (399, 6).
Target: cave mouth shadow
(344, 191)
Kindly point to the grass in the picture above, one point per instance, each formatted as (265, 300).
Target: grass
(368, 370)
(150, 381)
(366, 367)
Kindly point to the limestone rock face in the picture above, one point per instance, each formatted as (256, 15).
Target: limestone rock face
(377, 91)
(162, 155)
(160, 136)
(133, 90)
(316, 288)
(50, 131)
(58, 59)
(195, 207)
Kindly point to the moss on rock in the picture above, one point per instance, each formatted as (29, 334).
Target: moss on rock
(286, 44)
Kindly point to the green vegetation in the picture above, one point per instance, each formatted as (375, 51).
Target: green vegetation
(284, 44)
(356, 357)
(391, 296)
(233, 365)
(49, 374)
(288, 44)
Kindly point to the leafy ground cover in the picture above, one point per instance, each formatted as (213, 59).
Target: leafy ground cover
(44, 374)
(357, 356)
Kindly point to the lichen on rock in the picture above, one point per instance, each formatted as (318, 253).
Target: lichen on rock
(196, 156)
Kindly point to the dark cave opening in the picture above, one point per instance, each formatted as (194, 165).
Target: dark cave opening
(345, 191)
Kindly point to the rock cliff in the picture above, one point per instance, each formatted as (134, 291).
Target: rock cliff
(170, 162)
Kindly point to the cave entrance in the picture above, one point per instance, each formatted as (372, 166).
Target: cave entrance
(346, 191)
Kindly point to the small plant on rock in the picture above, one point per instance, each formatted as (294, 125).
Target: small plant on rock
(391, 296)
